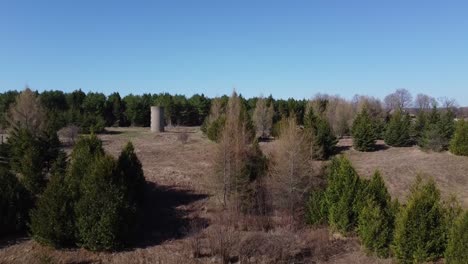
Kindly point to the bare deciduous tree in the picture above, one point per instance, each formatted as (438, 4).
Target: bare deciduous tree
(232, 150)
(263, 118)
(27, 112)
(338, 112)
(447, 103)
(292, 170)
(372, 105)
(400, 99)
(424, 102)
(70, 133)
(216, 110)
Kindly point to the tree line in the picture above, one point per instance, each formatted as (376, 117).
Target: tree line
(94, 111)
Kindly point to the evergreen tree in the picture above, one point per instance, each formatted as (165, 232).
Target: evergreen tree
(133, 178)
(376, 216)
(457, 247)
(397, 133)
(86, 150)
(114, 110)
(52, 220)
(317, 209)
(363, 131)
(419, 126)
(420, 228)
(342, 193)
(28, 159)
(447, 126)
(375, 228)
(14, 203)
(459, 143)
(322, 137)
(102, 209)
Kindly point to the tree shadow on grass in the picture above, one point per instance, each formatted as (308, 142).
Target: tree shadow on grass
(340, 149)
(12, 239)
(162, 219)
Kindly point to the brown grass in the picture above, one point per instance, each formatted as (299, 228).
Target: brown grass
(181, 171)
(400, 166)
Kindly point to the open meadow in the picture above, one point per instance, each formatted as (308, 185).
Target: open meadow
(177, 163)
(176, 174)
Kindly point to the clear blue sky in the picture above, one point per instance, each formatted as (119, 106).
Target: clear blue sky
(286, 48)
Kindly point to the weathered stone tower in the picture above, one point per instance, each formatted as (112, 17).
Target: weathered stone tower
(157, 119)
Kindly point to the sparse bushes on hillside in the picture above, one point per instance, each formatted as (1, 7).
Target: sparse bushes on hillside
(420, 228)
(459, 143)
(397, 133)
(364, 134)
(457, 247)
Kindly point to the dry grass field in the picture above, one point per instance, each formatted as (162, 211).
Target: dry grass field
(179, 199)
(400, 166)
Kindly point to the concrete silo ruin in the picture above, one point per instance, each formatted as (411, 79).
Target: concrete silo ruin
(157, 119)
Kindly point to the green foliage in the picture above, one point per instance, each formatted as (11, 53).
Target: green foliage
(457, 247)
(341, 194)
(397, 133)
(459, 143)
(6, 100)
(114, 110)
(364, 132)
(92, 124)
(31, 157)
(376, 217)
(433, 131)
(86, 150)
(375, 228)
(102, 210)
(52, 220)
(133, 178)
(14, 203)
(317, 210)
(420, 228)
(92, 202)
(215, 128)
(433, 139)
(322, 135)
(137, 110)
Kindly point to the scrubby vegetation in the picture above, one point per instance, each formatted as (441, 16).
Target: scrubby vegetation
(93, 202)
(90, 199)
